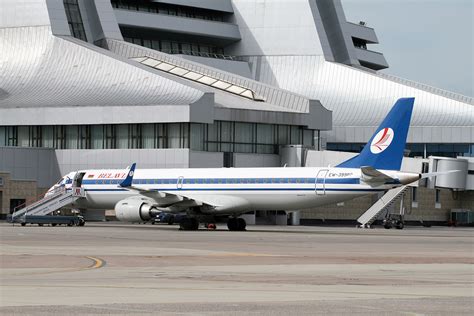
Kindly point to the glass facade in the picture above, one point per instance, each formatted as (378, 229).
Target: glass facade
(222, 136)
(175, 46)
(169, 9)
(348, 147)
(74, 19)
(416, 149)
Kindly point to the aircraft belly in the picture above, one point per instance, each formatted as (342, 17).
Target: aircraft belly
(271, 200)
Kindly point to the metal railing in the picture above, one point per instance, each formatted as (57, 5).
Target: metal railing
(57, 192)
(198, 54)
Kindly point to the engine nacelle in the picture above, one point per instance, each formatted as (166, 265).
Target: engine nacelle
(135, 210)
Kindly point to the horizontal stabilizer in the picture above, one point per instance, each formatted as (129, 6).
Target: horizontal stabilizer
(370, 174)
(434, 174)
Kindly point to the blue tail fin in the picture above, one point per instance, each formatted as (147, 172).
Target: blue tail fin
(129, 179)
(385, 148)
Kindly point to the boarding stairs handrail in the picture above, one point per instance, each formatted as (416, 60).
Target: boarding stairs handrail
(382, 204)
(59, 198)
(23, 208)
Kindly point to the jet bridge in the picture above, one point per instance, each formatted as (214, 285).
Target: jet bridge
(48, 204)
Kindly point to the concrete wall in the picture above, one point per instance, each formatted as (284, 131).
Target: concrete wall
(256, 160)
(425, 211)
(204, 159)
(17, 189)
(37, 164)
(275, 28)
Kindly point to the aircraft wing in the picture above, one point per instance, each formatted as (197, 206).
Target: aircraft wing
(176, 199)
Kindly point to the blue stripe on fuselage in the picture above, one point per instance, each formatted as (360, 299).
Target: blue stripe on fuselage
(245, 189)
(192, 181)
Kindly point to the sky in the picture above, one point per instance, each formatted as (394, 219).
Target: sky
(428, 41)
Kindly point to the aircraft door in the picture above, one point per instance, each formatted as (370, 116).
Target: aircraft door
(78, 179)
(320, 182)
(179, 184)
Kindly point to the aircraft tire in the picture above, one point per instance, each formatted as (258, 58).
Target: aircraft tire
(241, 224)
(399, 226)
(236, 224)
(233, 224)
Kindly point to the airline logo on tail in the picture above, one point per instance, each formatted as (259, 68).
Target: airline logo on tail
(382, 140)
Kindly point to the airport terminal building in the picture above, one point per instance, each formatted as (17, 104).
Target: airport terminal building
(200, 83)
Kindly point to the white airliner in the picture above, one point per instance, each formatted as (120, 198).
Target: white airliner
(140, 194)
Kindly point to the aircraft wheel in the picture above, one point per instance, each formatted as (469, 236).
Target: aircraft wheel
(23, 224)
(387, 226)
(399, 225)
(232, 224)
(189, 224)
(236, 224)
(241, 224)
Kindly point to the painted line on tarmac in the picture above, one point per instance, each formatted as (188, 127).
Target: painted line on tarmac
(98, 263)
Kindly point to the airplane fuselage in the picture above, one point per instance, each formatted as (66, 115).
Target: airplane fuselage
(232, 189)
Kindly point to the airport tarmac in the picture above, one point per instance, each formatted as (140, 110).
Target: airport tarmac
(113, 268)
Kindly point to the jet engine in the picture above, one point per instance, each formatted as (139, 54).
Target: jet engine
(135, 210)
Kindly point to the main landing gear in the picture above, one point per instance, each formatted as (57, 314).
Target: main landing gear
(236, 224)
(192, 223)
(189, 223)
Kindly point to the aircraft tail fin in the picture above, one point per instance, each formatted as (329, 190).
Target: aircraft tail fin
(385, 148)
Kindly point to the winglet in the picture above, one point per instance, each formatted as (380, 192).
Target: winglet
(128, 180)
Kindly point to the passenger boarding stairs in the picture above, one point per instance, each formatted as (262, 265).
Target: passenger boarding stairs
(382, 204)
(48, 204)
